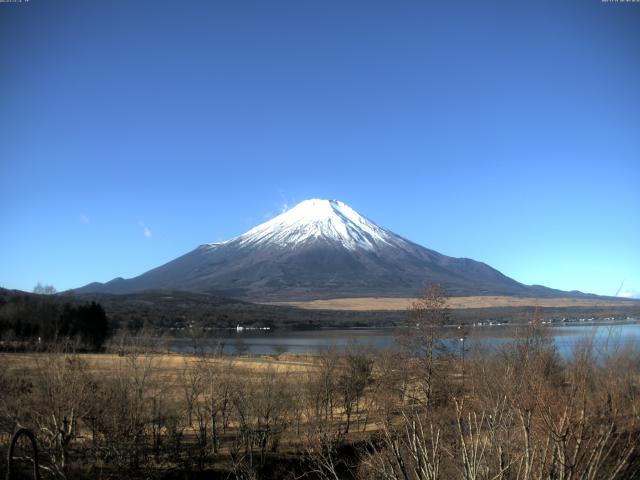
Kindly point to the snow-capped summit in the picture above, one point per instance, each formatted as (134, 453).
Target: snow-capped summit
(316, 219)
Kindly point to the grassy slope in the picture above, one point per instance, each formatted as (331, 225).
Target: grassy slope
(366, 304)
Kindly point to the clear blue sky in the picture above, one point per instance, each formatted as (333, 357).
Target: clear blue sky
(133, 131)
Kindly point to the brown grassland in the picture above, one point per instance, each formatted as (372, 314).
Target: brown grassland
(418, 412)
(386, 303)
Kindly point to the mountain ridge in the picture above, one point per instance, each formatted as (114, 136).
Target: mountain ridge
(320, 249)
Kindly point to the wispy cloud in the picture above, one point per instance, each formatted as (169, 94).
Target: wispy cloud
(146, 231)
(279, 208)
(84, 219)
(630, 293)
(285, 204)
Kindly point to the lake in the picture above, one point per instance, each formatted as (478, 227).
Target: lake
(606, 337)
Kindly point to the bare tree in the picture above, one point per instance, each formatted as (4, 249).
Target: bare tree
(410, 449)
(65, 390)
(44, 289)
(424, 334)
(353, 377)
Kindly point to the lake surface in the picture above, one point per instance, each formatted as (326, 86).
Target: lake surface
(606, 338)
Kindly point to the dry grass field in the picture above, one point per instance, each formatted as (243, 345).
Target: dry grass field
(352, 415)
(166, 366)
(391, 304)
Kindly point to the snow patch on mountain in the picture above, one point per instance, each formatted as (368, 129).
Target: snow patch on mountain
(316, 219)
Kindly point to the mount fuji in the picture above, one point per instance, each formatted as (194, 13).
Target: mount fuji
(319, 249)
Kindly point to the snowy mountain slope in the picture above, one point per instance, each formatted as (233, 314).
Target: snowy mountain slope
(316, 219)
(319, 249)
